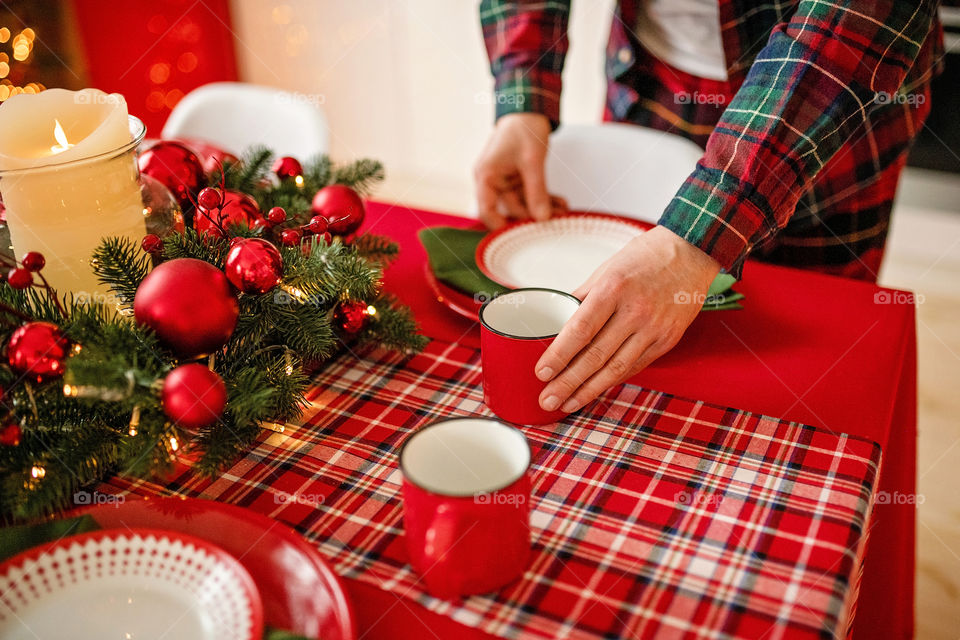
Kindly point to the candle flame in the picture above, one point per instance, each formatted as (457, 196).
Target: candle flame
(61, 137)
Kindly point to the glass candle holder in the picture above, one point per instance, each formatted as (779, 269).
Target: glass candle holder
(64, 210)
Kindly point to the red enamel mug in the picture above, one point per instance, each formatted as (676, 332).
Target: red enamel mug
(515, 329)
(466, 505)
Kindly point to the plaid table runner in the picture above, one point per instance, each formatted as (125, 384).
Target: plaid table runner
(652, 515)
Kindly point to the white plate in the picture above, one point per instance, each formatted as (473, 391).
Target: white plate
(136, 585)
(560, 253)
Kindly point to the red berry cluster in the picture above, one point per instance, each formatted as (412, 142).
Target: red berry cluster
(21, 277)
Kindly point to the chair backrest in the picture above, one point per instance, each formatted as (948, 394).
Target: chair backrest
(236, 115)
(618, 168)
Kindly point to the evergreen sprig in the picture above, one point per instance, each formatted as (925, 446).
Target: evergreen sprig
(105, 415)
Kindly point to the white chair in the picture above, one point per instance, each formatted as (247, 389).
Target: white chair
(235, 115)
(618, 168)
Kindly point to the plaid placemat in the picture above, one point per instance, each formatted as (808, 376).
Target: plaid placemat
(652, 515)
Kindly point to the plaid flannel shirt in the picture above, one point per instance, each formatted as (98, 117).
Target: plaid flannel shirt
(805, 76)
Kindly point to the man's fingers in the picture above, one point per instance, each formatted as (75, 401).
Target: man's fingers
(535, 190)
(487, 202)
(633, 355)
(592, 358)
(575, 335)
(513, 204)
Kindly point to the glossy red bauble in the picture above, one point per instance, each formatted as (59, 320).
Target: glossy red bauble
(177, 167)
(237, 209)
(189, 304)
(211, 156)
(38, 349)
(193, 396)
(351, 316)
(253, 265)
(342, 208)
(287, 168)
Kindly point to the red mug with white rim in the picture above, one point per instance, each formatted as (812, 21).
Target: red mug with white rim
(466, 505)
(515, 330)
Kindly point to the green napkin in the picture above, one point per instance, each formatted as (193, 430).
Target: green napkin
(14, 540)
(451, 252)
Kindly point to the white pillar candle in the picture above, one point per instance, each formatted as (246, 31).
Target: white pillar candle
(68, 177)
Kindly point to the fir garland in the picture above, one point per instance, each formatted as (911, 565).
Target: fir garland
(105, 415)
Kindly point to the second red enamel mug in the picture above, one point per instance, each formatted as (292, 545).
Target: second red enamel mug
(466, 504)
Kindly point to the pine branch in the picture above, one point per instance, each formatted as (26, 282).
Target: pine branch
(120, 264)
(360, 176)
(252, 169)
(393, 327)
(373, 247)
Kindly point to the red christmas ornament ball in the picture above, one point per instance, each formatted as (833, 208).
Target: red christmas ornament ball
(253, 265)
(189, 304)
(19, 278)
(193, 396)
(177, 167)
(351, 315)
(277, 215)
(39, 349)
(33, 261)
(237, 209)
(10, 435)
(341, 206)
(287, 168)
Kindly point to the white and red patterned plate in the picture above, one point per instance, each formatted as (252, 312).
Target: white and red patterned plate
(560, 253)
(132, 584)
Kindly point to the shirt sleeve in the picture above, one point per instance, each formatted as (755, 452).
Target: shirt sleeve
(808, 91)
(526, 42)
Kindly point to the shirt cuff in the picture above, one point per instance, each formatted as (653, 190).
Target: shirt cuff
(528, 91)
(721, 216)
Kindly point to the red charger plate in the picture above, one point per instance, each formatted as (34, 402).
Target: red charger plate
(299, 591)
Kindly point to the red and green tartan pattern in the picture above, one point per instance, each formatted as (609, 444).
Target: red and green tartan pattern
(820, 95)
(652, 515)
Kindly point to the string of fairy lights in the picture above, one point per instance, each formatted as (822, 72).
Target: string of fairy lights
(20, 48)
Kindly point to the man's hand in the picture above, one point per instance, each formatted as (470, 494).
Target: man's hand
(635, 308)
(510, 171)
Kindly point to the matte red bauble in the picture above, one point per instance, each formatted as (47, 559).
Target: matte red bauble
(189, 304)
(237, 209)
(193, 396)
(38, 349)
(177, 167)
(287, 168)
(342, 208)
(253, 265)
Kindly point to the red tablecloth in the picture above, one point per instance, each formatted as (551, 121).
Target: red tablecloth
(829, 352)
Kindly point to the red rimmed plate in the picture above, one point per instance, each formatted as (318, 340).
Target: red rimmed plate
(299, 590)
(559, 253)
(460, 303)
(131, 583)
